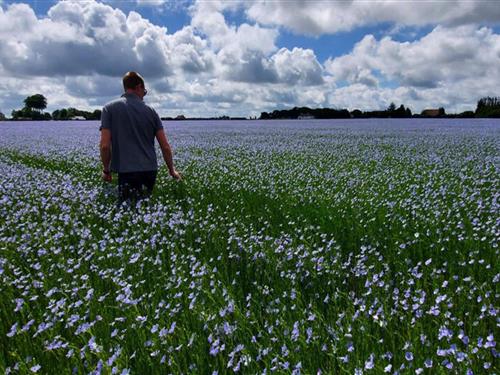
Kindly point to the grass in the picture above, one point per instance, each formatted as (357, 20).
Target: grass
(281, 260)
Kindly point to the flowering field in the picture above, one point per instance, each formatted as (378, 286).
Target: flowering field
(323, 247)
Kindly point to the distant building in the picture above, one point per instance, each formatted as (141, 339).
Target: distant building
(433, 112)
(430, 112)
(305, 117)
(77, 118)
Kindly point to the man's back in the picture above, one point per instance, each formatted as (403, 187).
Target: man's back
(133, 126)
(128, 130)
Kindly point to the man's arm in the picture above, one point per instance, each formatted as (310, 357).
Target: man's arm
(166, 150)
(105, 149)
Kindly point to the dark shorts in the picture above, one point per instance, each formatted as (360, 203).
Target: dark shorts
(133, 186)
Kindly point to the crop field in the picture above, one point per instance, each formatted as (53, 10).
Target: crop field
(291, 247)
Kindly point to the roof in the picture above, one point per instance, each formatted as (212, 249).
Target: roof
(430, 112)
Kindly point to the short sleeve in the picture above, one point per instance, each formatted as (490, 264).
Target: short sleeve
(105, 119)
(158, 125)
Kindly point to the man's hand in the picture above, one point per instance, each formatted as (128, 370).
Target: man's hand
(107, 177)
(105, 150)
(176, 175)
(167, 154)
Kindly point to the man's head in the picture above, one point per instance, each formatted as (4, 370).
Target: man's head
(133, 83)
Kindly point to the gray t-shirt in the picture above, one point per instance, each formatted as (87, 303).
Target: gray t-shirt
(133, 126)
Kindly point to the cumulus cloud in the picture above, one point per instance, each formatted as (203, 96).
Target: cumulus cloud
(190, 52)
(248, 53)
(76, 38)
(92, 86)
(298, 66)
(81, 49)
(85, 38)
(59, 92)
(447, 65)
(252, 68)
(320, 17)
(442, 56)
(230, 41)
(151, 3)
(77, 53)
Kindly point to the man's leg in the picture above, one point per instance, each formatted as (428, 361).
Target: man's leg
(133, 186)
(128, 187)
(145, 183)
(123, 191)
(149, 179)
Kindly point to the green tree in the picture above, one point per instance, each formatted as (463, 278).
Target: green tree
(356, 113)
(488, 107)
(96, 115)
(37, 101)
(63, 114)
(72, 112)
(25, 113)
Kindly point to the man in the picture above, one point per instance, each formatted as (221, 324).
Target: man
(128, 129)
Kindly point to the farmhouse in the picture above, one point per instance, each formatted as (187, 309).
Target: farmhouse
(431, 112)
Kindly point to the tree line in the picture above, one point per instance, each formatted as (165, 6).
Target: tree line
(69, 113)
(35, 104)
(488, 107)
(328, 113)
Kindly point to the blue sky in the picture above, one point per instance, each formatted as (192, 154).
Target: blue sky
(241, 57)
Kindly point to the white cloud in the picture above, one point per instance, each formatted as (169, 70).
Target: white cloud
(85, 38)
(248, 53)
(92, 86)
(252, 68)
(320, 17)
(59, 92)
(447, 66)
(298, 66)
(77, 53)
(76, 38)
(151, 3)
(231, 40)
